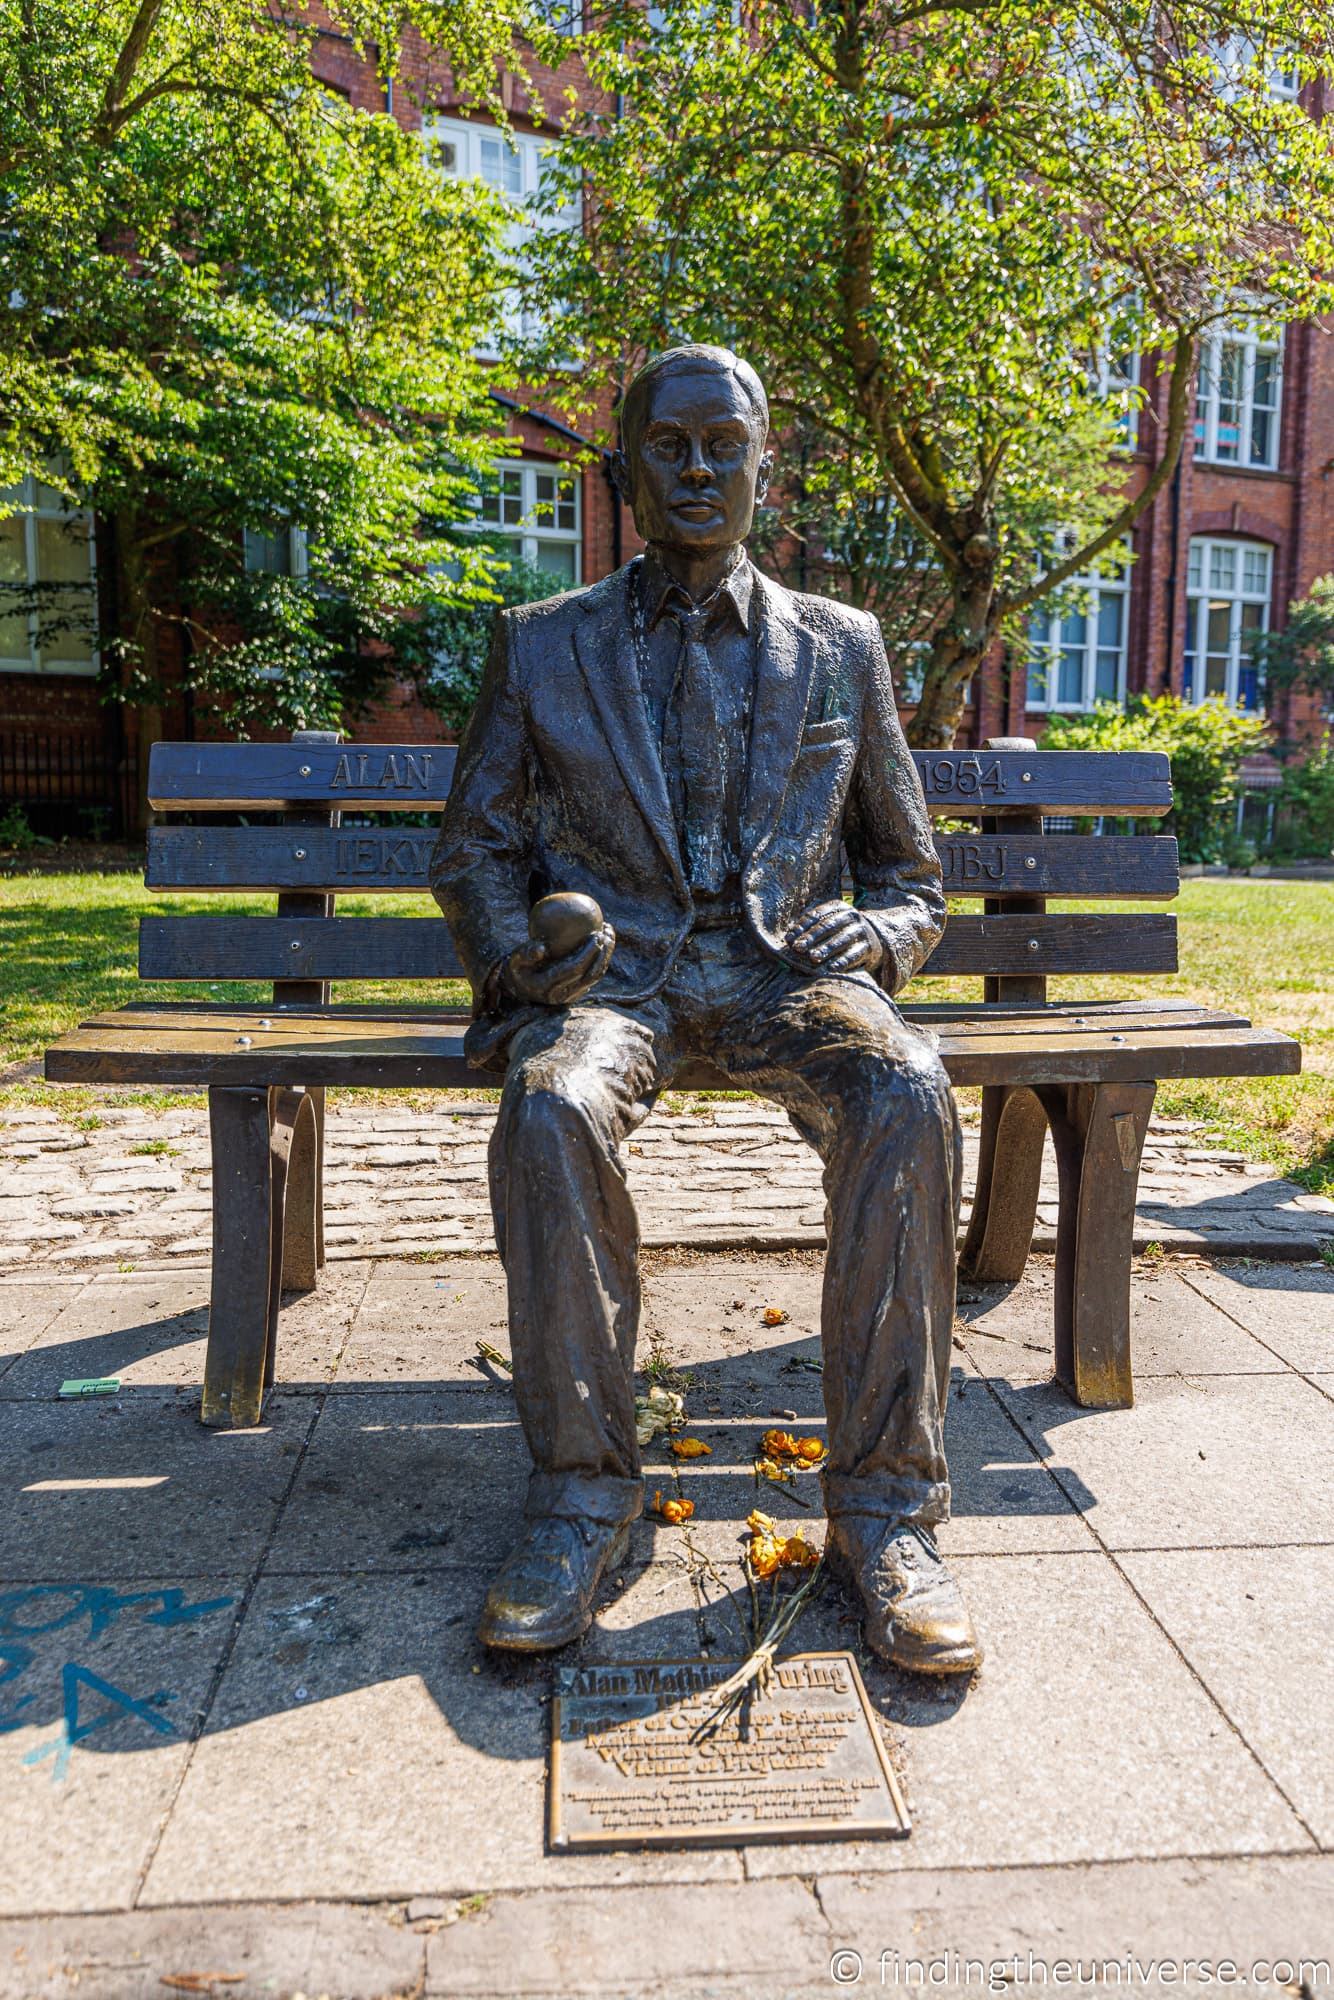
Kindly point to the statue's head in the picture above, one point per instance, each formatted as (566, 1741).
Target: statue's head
(692, 463)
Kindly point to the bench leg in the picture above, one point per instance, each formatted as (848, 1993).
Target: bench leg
(1098, 1130)
(250, 1149)
(1009, 1170)
(303, 1220)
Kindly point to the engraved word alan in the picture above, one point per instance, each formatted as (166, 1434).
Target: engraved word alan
(387, 771)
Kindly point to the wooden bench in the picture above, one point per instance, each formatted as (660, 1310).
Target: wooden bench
(1087, 1070)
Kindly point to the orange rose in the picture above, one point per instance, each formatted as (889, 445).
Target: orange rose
(676, 1511)
(812, 1450)
(691, 1448)
(779, 1444)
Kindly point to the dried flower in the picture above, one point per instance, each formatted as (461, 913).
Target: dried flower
(778, 1444)
(769, 1468)
(676, 1511)
(760, 1524)
(766, 1554)
(811, 1450)
(690, 1448)
(773, 1316)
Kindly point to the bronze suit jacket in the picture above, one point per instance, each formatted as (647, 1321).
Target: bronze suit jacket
(559, 785)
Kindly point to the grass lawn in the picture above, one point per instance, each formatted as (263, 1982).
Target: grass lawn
(1265, 948)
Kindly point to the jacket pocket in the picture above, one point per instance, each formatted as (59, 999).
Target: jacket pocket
(836, 729)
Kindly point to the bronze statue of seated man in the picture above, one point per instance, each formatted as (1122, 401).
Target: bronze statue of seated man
(697, 749)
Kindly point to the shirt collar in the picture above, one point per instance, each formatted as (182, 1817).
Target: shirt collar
(661, 593)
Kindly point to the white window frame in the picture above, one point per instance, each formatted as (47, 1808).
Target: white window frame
(40, 659)
(529, 532)
(1049, 643)
(473, 141)
(1251, 345)
(1202, 592)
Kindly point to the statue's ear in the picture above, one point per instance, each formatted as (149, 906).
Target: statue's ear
(619, 467)
(763, 474)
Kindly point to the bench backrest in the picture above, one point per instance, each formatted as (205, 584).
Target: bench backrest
(1002, 856)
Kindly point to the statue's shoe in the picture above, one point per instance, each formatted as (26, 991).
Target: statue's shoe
(915, 1615)
(542, 1596)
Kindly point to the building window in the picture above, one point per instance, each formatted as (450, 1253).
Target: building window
(47, 584)
(280, 553)
(1228, 588)
(516, 164)
(533, 512)
(1115, 379)
(1237, 398)
(1077, 656)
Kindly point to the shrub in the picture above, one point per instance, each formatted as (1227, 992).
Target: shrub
(1305, 818)
(1206, 745)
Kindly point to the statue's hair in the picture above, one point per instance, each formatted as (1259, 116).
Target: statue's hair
(689, 358)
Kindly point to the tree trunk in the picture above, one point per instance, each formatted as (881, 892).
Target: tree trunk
(139, 633)
(959, 646)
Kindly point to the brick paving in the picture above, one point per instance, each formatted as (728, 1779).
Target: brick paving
(411, 1176)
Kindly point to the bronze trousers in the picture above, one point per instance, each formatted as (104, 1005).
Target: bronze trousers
(867, 1091)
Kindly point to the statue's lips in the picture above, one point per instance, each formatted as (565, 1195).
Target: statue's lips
(698, 510)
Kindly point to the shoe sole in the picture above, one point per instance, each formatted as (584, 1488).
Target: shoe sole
(551, 1642)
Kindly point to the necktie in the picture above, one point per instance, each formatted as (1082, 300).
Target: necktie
(701, 757)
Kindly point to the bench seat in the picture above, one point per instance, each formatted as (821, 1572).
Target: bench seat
(383, 1048)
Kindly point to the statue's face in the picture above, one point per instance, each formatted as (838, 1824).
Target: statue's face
(693, 472)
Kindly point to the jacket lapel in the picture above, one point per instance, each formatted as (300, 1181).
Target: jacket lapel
(604, 646)
(783, 662)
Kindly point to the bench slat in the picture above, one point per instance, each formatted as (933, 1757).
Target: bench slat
(239, 947)
(390, 1053)
(352, 859)
(402, 777)
(177, 1022)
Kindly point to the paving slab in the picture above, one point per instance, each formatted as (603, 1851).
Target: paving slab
(101, 1693)
(133, 1486)
(1133, 1918)
(774, 1934)
(420, 1324)
(268, 1952)
(25, 1312)
(1174, 1330)
(1254, 1625)
(152, 1334)
(1084, 1737)
(362, 1745)
(1201, 1461)
(1290, 1309)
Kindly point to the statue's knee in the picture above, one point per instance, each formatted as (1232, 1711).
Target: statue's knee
(904, 1086)
(546, 1116)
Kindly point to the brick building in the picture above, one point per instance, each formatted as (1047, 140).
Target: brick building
(1245, 526)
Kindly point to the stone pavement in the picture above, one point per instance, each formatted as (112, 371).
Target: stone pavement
(245, 1729)
(407, 1177)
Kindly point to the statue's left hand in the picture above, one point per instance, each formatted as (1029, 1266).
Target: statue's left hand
(833, 937)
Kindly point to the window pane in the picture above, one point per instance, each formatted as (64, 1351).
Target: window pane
(1255, 571)
(1110, 608)
(502, 166)
(62, 551)
(557, 558)
(1194, 577)
(567, 505)
(1222, 566)
(1072, 675)
(15, 642)
(1107, 676)
(1037, 680)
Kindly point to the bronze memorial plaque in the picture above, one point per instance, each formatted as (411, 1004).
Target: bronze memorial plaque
(638, 1759)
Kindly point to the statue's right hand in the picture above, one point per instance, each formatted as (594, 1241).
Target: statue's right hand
(536, 976)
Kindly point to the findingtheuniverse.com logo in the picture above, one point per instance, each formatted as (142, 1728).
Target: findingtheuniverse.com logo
(1306, 1977)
